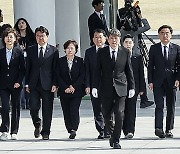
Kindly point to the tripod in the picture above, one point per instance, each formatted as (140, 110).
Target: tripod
(143, 48)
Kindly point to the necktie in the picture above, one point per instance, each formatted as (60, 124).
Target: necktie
(113, 58)
(102, 18)
(165, 53)
(41, 55)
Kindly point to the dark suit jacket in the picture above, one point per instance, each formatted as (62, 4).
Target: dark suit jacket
(158, 70)
(46, 71)
(90, 63)
(14, 72)
(138, 72)
(120, 76)
(95, 22)
(75, 77)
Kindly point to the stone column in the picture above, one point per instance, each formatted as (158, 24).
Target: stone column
(67, 22)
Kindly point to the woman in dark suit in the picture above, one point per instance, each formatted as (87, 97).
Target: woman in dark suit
(11, 75)
(70, 76)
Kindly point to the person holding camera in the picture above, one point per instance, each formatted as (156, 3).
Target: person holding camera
(130, 21)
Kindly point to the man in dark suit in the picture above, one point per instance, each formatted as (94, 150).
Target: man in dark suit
(163, 79)
(99, 40)
(114, 73)
(97, 19)
(41, 82)
(138, 72)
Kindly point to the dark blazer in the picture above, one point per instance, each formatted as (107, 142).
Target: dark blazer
(158, 70)
(46, 71)
(90, 64)
(95, 22)
(14, 72)
(138, 72)
(120, 76)
(75, 77)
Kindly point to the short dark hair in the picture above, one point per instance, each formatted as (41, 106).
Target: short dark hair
(96, 2)
(128, 36)
(3, 27)
(66, 44)
(42, 30)
(6, 32)
(114, 32)
(165, 26)
(98, 30)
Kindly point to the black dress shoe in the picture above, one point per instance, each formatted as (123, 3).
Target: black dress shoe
(169, 134)
(45, 137)
(37, 132)
(146, 104)
(159, 133)
(116, 145)
(107, 136)
(101, 136)
(72, 134)
(111, 141)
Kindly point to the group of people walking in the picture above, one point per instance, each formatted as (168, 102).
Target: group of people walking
(112, 73)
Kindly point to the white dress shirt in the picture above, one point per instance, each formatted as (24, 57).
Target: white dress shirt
(115, 53)
(43, 48)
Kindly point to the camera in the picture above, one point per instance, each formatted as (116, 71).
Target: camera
(128, 16)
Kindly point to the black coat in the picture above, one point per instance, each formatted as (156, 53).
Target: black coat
(75, 77)
(45, 71)
(120, 76)
(90, 64)
(138, 72)
(158, 70)
(14, 72)
(94, 22)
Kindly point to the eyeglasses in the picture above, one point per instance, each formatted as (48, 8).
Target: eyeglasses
(41, 36)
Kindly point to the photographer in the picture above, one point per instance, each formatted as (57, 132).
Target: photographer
(130, 21)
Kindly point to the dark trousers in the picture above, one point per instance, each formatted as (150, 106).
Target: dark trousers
(98, 116)
(130, 115)
(24, 97)
(170, 94)
(144, 97)
(15, 115)
(117, 105)
(70, 107)
(47, 107)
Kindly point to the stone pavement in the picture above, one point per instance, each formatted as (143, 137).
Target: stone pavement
(144, 141)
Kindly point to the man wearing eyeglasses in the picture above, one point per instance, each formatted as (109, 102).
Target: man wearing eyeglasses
(97, 19)
(163, 79)
(40, 81)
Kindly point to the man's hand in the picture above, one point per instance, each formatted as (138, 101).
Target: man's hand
(87, 90)
(131, 93)
(16, 85)
(27, 89)
(53, 89)
(150, 86)
(67, 90)
(95, 93)
(176, 84)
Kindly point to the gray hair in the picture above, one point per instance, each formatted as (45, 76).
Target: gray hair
(114, 32)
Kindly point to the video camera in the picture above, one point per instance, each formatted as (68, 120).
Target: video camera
(128, 16)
